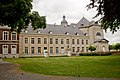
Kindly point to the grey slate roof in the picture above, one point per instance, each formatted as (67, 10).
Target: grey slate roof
(83, 22)
(56, 29)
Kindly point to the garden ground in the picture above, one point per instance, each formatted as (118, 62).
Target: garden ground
(97, 67)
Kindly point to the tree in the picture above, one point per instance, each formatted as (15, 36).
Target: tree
(17, 15)
(111, 47)
(117, 46)
(110, 11)
(92, 48)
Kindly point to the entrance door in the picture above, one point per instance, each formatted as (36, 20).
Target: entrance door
(13, 49)
(5, 49)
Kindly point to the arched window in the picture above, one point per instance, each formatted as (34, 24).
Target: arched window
(98, 34)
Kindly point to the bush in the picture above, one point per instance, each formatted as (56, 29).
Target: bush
(96, 54)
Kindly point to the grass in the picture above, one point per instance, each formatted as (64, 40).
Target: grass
(85, 66)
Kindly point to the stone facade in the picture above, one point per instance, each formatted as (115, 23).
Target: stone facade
(54, 40)
(63, 39)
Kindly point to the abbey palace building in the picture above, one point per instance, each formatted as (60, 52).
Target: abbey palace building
(54, 40)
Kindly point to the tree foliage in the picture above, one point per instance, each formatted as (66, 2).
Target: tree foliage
(110, 11)
(92, 48)
(115, 46)
(17, 15)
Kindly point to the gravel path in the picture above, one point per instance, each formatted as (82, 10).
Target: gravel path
(10, 71)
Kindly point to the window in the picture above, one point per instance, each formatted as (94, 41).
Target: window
(50, 32)
(86, 49)
(39, 50)
(51, 50)
(67, 33)
(26, 40)
(62, 42)
(45, 40)
(38, 32)
(98, 34)
(86, 41)
(78, 41)
(82, 41)
(77, 34)
(82, 49)
(78, 49)
(56, 41)
(5, 35)
(39, 40)
(62, 50)
(14, 35)
(32, 50)
(73, 49)
(26, 50)
(51, 41)
(73, 41)
(67, 41)
(26, 31)
(57, 51)
(32, 40)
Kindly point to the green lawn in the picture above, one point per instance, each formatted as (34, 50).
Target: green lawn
(84, 66)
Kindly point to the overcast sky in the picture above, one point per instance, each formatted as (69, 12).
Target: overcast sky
(74, 10)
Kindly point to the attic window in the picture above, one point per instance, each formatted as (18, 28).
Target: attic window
(26, 31)
(67, 33)
(86, 34)
(50, 32)
(98, 34)
(38, 32)
(77, 34)
(82, 24)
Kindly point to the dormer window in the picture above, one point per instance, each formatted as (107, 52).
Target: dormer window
(98, 34)
(67, 33)
(38, 32)
(50, 32)
(86, 34)
(26, 31)
(82, 24)
(77, 34)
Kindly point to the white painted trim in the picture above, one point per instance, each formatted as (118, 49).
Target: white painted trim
(8, 35)
(12, 35)
(3, 49)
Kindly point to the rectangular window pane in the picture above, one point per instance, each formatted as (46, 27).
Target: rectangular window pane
(39, 40)
(82, 49)
(57, 51)
(14, 36)
(86, 49)
(45, 40)
(32, 50)
(62, 50)
(32, 40)
(86, 41)
(51, 50)
(5, 35)
(62, 42)
(78, 49)
(51, 41)
(67, 41)
(78, 41)
(73, 41)
(56, 41)
(39, 50)
(26, 50)
(73, 49)
(26, 40)
(82, 41)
